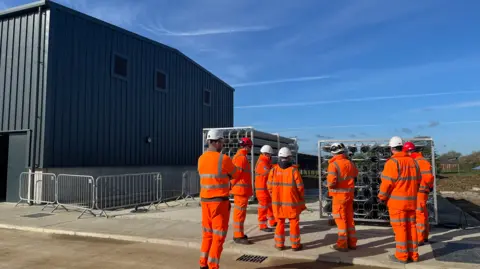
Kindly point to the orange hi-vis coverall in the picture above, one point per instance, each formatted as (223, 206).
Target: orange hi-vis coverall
(288, 201)
(423, 225)
(262, 168)
(400, 178)
(341, 175)
(215, 171)
(242, 190)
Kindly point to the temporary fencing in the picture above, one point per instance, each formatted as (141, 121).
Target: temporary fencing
(76, 191)
(42, 191)
(123, 191)
(370, 157)
(190, 187)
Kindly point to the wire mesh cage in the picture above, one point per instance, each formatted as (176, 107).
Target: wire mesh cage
(233, 135)
(370, 157)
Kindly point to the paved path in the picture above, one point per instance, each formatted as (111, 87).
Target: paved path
(180, 226)
(19, 250)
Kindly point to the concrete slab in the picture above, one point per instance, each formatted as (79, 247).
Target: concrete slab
(180, 226)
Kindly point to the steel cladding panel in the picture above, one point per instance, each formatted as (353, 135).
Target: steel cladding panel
(22, 84)
(96, 119)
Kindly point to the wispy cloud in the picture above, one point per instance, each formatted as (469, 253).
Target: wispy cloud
(159, 29)
(319, 127)
(366, 99)
(352, 136)
(324, 137)
(406, 130)
(300, 79)
(452, 106)
(119, 13)
(433, 124)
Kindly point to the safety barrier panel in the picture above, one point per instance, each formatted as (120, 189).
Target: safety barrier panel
(123, 191)
(76, 191)
(41, 192)
(190, 187)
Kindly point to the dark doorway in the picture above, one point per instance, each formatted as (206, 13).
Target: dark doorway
(17, 163)
(3, 166)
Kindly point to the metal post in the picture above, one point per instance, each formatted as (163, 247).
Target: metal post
(434, 168)
(35, 121)
(319, 179)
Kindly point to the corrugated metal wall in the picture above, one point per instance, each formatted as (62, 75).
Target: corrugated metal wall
(19, 59)
(95, 119)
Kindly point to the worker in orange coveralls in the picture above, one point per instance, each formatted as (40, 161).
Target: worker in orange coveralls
(399, 187)
(262, 168)
(215, 170)
(285, 185)
(426, 184)
(242, 190)
(341, 176)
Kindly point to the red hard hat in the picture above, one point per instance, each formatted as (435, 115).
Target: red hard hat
(408, 146)
(245, 142)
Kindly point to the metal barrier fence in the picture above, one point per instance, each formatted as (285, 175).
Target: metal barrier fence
(43, 189)
(123, 191)
(112, 192)
(190, 187)
(76, 191)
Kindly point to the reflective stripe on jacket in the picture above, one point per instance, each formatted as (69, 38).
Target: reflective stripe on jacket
(215, 170)
(287, 191)
(341, 176)
(262, 168)
(400, 181)
(242, 186)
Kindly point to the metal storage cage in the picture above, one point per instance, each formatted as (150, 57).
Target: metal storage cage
(367, 183)
(233, 135)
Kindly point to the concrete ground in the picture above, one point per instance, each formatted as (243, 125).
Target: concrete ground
(179, 226)
(19, 250)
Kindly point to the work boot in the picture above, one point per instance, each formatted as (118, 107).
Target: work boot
(205, 267)
(421, 244)
(280, 248)
(352, 248)
(243, 241)
(394, 259)
(267, 230)
(425, 240)
(300, 247)
(337, 248)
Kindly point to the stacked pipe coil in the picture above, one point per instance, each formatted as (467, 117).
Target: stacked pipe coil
(370, 157)
(233, 135)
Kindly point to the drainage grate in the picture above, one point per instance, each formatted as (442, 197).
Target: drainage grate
(37, 215)
(252, 258)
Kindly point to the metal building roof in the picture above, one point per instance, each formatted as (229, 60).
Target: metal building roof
(48, 4)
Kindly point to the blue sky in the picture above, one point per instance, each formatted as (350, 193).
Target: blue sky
(317, 68)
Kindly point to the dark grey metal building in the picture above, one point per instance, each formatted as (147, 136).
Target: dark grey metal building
(78, 92)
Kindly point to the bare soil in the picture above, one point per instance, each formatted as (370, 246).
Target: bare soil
(458, 182)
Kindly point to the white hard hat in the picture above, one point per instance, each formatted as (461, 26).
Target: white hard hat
(284, 152)
(395, 141)
(266, 149)
(214, 134)
(337, 148)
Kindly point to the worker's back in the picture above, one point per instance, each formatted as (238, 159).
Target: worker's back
(341, 176)
(213, 169)
(400, 181)
(287, 189)
(426, 172)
